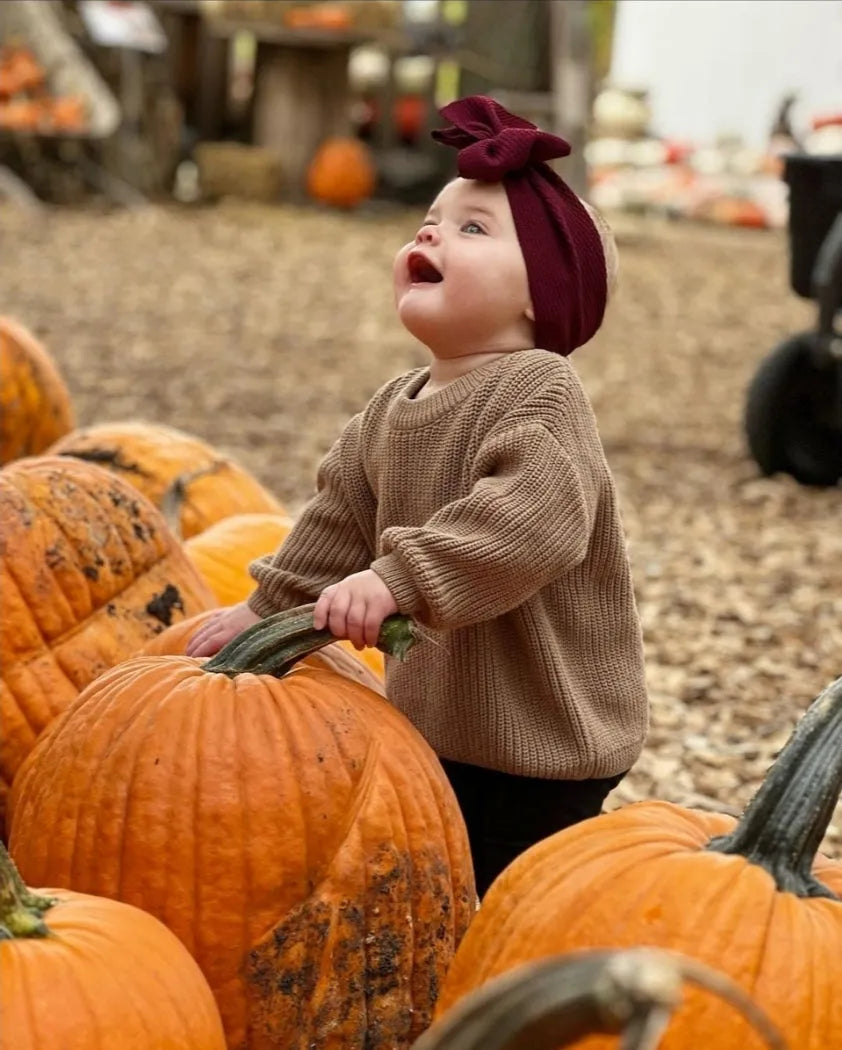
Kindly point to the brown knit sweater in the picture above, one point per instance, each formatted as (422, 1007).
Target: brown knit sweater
(489, 511)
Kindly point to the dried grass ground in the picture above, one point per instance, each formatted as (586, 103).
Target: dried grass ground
(263, 329)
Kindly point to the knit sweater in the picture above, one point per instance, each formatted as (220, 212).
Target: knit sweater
(489, 511)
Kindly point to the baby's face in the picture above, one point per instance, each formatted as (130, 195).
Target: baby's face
(461, 285)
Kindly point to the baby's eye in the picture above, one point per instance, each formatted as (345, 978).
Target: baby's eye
(472, 227)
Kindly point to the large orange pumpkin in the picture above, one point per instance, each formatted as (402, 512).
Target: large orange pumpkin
(223, 552)
(340, 656)
(191, 481)
(313, 856)
(751, 897)
(557, 1001)
(87, 973)
(89, 571)
(35, 406)
(341, 173)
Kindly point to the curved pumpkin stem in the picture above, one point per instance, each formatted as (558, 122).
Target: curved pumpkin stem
(278, 642)
(21, 910)
(173, 499)
(558, 1001)
(784, 824)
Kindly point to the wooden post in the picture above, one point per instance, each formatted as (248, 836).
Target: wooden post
(301, 97)
(212, 83)
(571, 84)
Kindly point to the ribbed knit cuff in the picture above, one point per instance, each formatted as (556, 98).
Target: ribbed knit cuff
(261, 604)
(398, 579)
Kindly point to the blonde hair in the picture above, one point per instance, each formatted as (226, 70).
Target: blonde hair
(609, 247)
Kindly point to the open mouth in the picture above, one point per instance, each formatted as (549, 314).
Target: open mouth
(421, 270)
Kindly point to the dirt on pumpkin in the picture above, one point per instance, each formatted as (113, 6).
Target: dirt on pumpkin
(262, 329)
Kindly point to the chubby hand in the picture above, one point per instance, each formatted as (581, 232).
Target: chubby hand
(355, 608)
(220, 629)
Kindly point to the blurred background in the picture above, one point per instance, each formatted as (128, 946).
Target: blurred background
(199, 205)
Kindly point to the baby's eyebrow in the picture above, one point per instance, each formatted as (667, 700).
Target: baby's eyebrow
(480, 209)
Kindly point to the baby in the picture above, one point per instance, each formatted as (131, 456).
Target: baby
(474, 496)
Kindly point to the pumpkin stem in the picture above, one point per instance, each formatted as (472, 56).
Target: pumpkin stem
(275, 644)
(559, 1001)
(21, 910)
(784, 824)
(175, 495)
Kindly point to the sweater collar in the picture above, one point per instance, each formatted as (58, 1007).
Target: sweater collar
(407, 412)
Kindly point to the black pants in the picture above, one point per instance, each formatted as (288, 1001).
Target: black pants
(506, 814)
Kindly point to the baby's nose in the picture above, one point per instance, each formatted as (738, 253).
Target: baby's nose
(427, 235)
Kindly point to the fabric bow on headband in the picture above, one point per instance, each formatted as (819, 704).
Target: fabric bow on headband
(493, 142)
(565, 262)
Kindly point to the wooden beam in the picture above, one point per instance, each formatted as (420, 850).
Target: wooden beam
(571, 84)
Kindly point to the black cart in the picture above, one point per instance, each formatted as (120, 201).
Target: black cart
(793, 414)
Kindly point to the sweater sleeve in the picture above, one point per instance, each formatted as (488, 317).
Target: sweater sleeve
(330, 540)
(526, 521)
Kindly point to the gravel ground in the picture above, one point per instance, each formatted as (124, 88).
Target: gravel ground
(261, 329)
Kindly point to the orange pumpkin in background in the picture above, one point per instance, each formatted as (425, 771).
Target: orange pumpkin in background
(89, 571)
(224, 551)
(341, 173)
(86, 973)
(35, 406)
(194, 484)
(316, 862)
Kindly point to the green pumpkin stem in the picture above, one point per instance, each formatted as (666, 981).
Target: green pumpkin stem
(21, 910)
(275, 644)
(559, 1001)
(784, 824)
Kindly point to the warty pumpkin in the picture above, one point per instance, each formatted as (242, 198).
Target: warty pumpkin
(338, 656)
(341, 173)
(89, 571)
(751, 897)
(192, 483)
(86, 973)
(35, 407)
(316, 862)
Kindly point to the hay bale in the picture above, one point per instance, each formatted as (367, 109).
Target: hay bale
(233, 169)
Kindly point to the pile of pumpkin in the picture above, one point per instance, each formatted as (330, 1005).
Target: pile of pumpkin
(257, 851)
(26, 103)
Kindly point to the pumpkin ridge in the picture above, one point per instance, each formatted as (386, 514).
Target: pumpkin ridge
(190, 728)
(29, 657)
(360, 796)
(362, 790)
(762, 954)
(102, 786)
(129, 767)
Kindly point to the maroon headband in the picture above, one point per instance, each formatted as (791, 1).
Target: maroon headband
(565, 262)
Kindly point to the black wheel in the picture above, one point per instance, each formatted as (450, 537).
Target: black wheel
(792, 415)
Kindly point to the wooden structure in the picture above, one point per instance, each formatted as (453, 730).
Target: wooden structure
(198, 65)
(301, 89)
